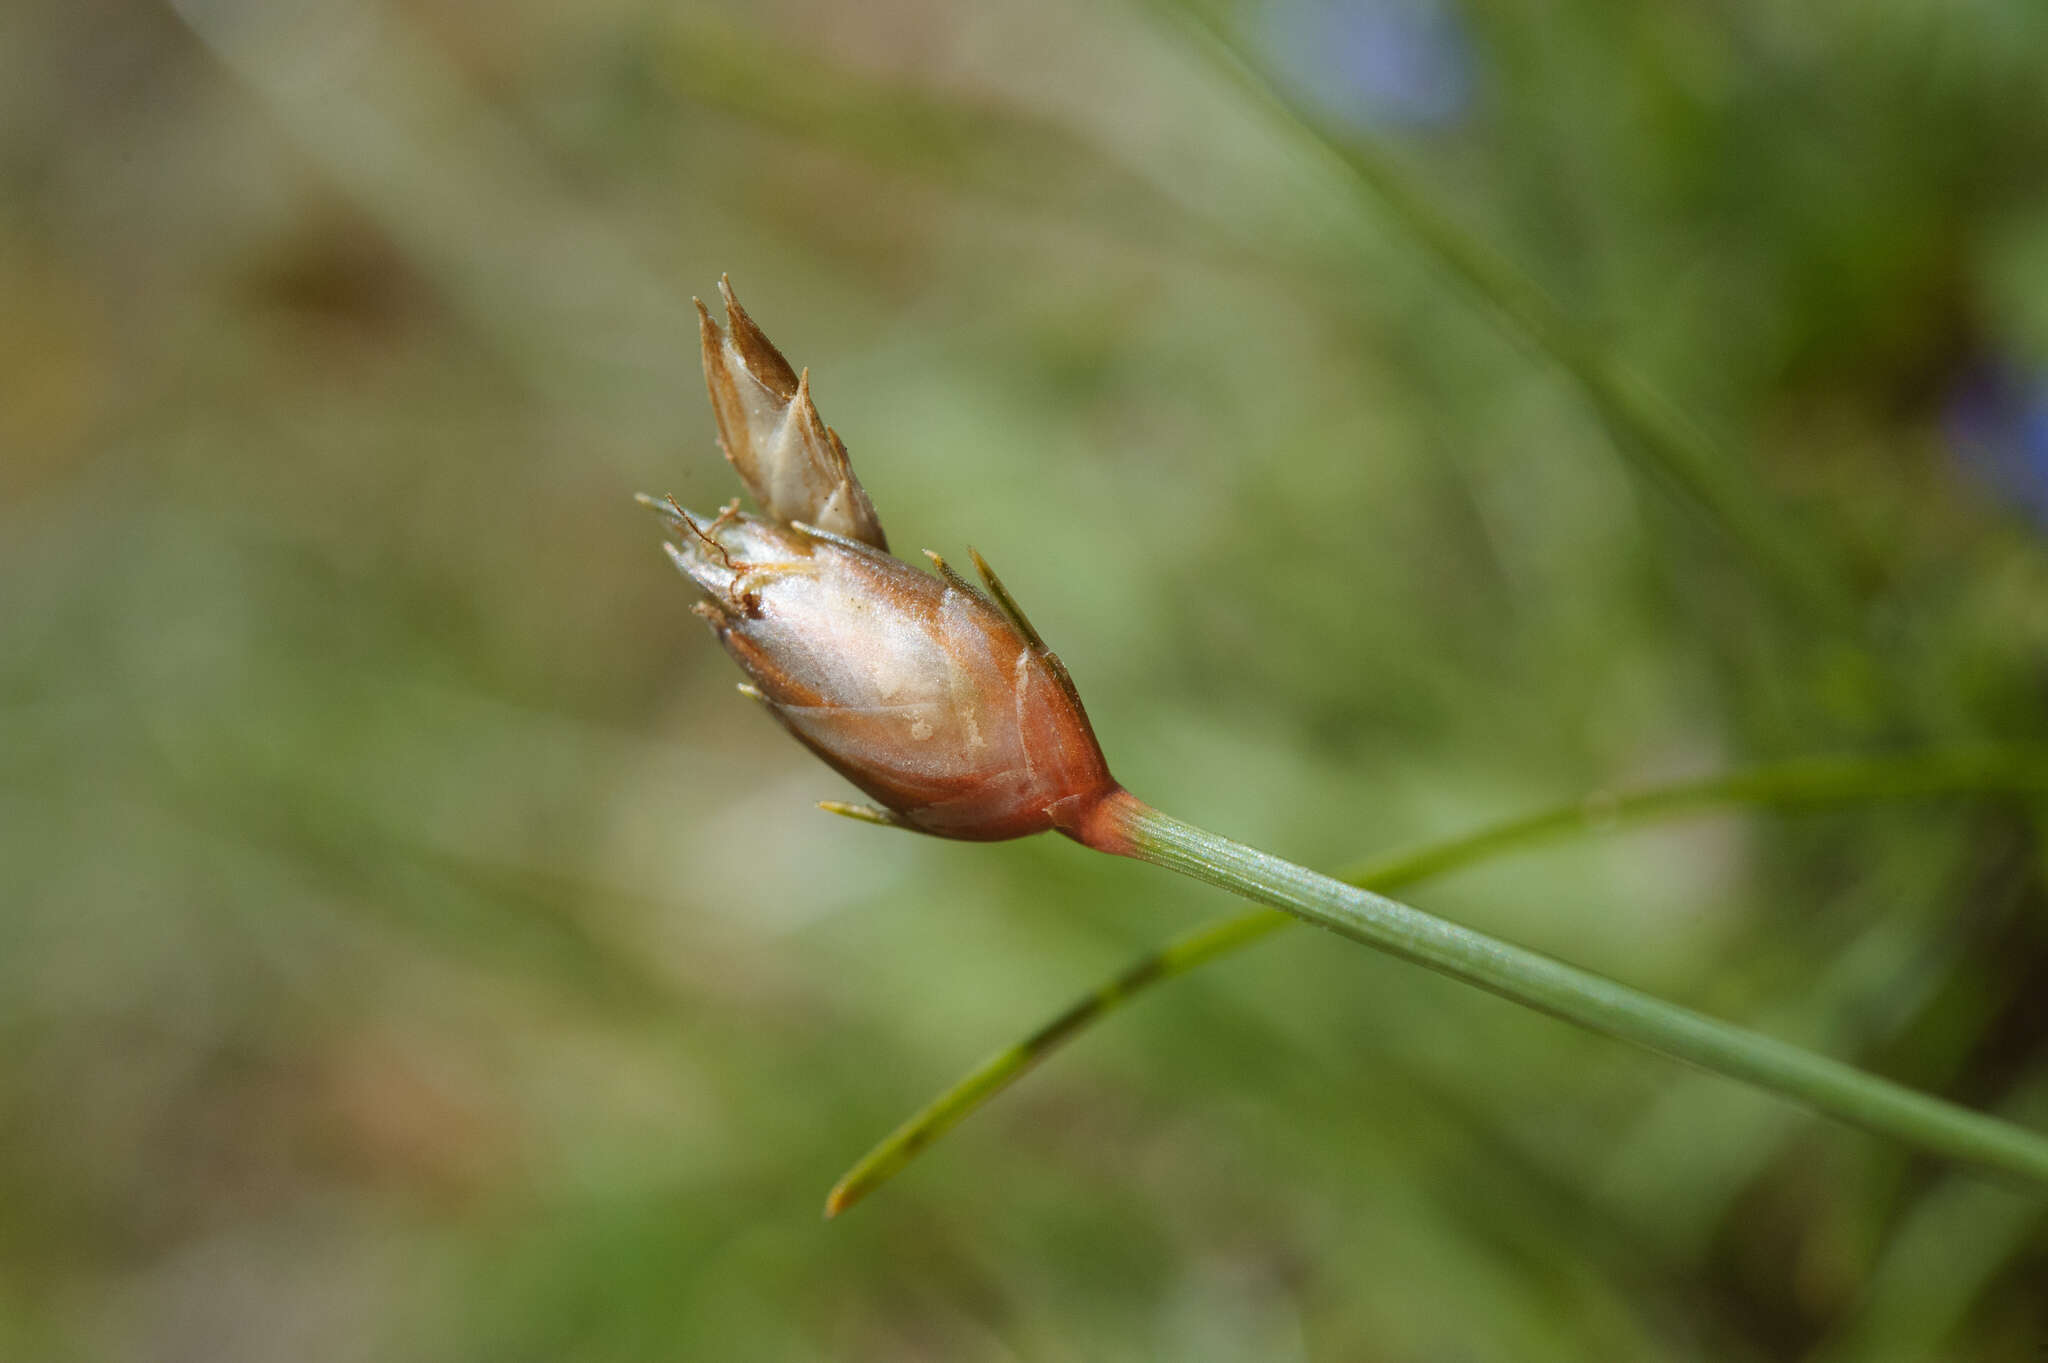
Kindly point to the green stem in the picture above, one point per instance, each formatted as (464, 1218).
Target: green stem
(1801, 783)
(1579, 996)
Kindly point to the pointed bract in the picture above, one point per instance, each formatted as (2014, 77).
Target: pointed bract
(794, 464)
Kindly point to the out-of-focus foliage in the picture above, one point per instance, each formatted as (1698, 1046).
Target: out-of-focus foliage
(410, 948)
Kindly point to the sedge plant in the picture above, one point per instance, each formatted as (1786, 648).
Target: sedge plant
(943, 704)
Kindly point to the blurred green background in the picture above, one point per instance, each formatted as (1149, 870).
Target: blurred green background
(412, 949)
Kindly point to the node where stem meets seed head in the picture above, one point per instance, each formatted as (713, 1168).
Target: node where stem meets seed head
(935, 700)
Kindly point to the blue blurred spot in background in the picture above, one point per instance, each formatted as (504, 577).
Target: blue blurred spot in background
(1375, 63)
(1997, 422)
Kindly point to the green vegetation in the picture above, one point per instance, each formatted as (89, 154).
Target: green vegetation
(411, 948)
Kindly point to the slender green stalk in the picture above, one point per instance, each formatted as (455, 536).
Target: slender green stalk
(1591, 1001)
(1803, 783)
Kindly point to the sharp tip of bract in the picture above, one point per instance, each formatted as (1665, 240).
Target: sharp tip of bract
(735, 314)
(881, 818)
(664, 507)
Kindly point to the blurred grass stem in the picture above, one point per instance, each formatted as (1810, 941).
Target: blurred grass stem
(1647, 426)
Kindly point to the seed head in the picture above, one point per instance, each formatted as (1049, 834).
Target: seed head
(937, 699)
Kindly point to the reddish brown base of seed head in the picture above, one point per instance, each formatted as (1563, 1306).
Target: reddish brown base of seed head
(988, 807)
(978, 809)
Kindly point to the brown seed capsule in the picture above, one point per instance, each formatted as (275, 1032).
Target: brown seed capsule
(940, 702)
